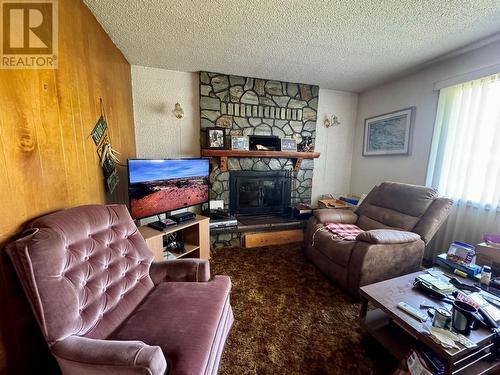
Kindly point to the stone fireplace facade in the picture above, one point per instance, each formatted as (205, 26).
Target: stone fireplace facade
(251, 106)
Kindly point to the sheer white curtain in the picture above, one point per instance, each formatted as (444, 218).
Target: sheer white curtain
(464, 162)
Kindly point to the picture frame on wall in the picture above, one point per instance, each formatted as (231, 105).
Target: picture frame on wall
(288, 144)
(216, 138)
(389, 134)
(240, 143)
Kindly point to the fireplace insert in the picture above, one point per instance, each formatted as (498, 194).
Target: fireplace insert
(253, 192)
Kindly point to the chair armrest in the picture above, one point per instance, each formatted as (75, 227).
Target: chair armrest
(343, 216)
(77, 354)
(180, 270)
(371, 263)
(387, 236)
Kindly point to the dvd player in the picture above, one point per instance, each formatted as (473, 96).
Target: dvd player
(223, 223)
(182, 217)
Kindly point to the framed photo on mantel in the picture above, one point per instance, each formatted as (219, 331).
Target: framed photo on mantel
(288, 144)
(240, 143)
(216, 138)
(389, 134)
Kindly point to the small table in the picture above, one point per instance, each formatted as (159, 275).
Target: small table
(398, 332)
(195, 233)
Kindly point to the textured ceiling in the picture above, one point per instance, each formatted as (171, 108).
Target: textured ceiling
(344, 45)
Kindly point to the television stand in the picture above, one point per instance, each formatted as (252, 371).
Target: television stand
(196, 235)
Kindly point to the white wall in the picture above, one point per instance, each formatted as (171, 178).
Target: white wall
(413, 90)
(158, 133)
(332, 171)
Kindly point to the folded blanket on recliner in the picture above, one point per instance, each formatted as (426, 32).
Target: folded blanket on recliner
(344, 231)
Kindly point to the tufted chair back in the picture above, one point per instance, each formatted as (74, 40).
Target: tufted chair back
(97, 273)
(406, 207)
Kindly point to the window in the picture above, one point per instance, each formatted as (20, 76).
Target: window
(464, 162)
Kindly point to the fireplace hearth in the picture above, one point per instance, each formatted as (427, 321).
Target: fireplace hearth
(260, 192)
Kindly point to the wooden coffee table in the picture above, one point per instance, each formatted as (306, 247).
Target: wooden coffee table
(398, 332)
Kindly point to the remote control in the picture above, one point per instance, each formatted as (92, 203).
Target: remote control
(465, 341)
(412, 311)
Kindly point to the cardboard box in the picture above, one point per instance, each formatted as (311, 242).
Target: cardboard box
(487, 254)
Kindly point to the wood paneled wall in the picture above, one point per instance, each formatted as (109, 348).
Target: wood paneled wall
(47, 159)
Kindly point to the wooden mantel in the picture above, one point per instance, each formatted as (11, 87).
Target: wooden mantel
(222, 155)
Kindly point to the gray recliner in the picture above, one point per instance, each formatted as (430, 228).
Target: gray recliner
(398, 221)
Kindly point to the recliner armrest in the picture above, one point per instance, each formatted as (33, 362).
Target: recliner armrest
(387, 236)
(197, 270)
(343, 216)
(84, 355)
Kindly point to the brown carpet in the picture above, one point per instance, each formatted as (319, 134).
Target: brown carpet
(289, 319)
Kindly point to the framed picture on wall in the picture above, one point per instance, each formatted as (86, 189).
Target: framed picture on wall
(216, 138)
(389, 134)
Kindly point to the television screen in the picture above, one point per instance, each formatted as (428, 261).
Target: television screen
(157, 186)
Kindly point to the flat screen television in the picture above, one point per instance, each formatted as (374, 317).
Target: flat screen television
(159, 186)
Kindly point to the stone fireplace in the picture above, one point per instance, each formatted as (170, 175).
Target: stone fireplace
(250, 106)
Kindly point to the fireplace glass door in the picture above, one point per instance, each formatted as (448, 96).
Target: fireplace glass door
(259, 192)
(249, 194)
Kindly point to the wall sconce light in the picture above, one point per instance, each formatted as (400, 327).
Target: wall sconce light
(178, 111)
(331, 120)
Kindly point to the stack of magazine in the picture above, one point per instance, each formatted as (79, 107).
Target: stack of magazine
(482, 303)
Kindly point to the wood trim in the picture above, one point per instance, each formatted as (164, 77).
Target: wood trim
(223, 163)
(273, 238)
(222, 156)
(48, 160)
(297, 165)
(259, 154)
(196, 237)
(204, 228)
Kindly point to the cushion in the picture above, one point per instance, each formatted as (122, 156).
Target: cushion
(387, 236)
(388, 217)
(333, 215)
(395, 205)
(408, 199)
(184, 319)
(338, 251)
(85, 270)
(367, 223)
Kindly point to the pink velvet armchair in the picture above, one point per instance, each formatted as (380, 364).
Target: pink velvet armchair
(105, 307)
